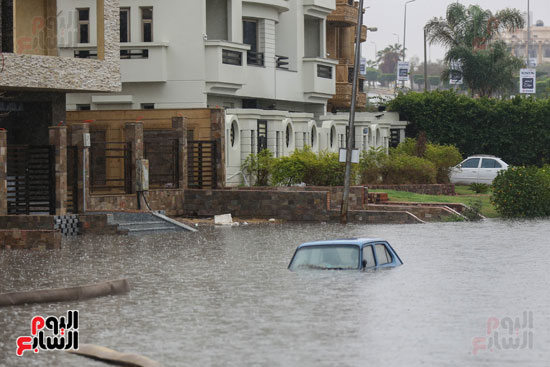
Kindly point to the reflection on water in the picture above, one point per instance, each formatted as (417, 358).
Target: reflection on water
(224, 297)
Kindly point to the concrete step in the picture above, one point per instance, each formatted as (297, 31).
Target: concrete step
(140, 222)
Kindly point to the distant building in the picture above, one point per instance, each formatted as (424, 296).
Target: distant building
(539, 46)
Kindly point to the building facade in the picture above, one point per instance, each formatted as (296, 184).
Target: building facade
(34, 81)
(275, 66)
(539, 44)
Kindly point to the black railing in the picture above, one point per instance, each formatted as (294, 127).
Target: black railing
(282, 62)
(30, 179)
(324, 71)
(134, 54)
(255, 58)
(230, 57)
(124, 54)
(164, 163)
(201, 164)
(110, 167)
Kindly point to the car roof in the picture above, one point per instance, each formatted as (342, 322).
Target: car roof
(343, 241)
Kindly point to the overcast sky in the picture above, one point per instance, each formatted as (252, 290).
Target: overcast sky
(387, 16)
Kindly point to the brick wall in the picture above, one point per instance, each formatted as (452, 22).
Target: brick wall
(292, 206)
(448, 189)
(357, 194)
(169, 200)
(14, 239)
(26, 222)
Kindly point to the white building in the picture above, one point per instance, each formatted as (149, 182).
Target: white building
(265, 61)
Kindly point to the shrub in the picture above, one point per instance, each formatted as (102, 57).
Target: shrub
(406, 169)
(479, 188)
(370, 165)
(522, 192)
(322, 169)
(444, 157)
(258, 167)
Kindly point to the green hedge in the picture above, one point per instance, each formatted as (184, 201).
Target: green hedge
(522, 192)
(517, 130)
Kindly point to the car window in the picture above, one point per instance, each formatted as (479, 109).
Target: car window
(368, 255)
(471, 163)
(490, 163)
(326, 257)
(382, 255)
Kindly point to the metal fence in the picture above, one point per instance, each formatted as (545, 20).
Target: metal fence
(164, 162)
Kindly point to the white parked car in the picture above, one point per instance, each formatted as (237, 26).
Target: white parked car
(477, 169)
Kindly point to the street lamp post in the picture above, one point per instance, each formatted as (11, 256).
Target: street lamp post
(351, 133)
(405, 31)
(528, 34)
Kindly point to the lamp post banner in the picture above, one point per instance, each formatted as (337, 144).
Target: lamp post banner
(455, 75)
(403, 71)
(527, 82)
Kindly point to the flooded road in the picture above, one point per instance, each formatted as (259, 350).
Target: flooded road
(224, 297)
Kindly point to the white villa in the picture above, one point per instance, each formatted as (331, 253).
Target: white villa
(264, 61)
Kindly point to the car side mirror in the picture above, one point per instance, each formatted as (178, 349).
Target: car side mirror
(364, 264)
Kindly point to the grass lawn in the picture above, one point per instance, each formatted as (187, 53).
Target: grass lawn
(464, 195)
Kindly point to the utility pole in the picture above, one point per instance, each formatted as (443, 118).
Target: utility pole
(351, 134)
(528, 34)
(405, 31)
(425, 63)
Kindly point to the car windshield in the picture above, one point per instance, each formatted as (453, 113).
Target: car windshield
(326, 257)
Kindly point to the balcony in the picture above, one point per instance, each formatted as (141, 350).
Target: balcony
(225, 66)
(318, 8)
(363, 33)
(342, 98)
(319, 79)
(279, 5)
(135, 57)
(345, 15)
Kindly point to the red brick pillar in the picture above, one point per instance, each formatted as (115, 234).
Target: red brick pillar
(58, 138)
(3, 172)
(180, 128)
(77, 139)
(217, 133)
(133, 133)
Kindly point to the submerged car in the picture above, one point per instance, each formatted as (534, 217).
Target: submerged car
(477, 169)
(346, 254)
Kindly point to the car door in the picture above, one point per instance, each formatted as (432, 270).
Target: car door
(383, 256)
(466, 172)
(488, 170)
(368, 261)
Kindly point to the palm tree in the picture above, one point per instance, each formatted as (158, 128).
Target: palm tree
(471, 26)
(469, 35)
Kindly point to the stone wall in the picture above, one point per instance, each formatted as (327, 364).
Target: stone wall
(440, 189)
(15, 239)
(27, 222)
(288, 205)
(169, 200)
(429, 213)
(358, 195)
(70, 74)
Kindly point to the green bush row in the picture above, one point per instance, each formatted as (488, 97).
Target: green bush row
(411, 162)
(517, 130)
(522, 192)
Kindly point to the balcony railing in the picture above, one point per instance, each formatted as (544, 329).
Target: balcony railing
(282, 62)
(231, 57)
(324, 71)
(124, 54)
(255, 58)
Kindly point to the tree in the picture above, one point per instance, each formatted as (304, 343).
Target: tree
(469, 33)
(387, 58)
(372, 75)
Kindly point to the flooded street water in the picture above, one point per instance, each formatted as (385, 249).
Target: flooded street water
(224, 297)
